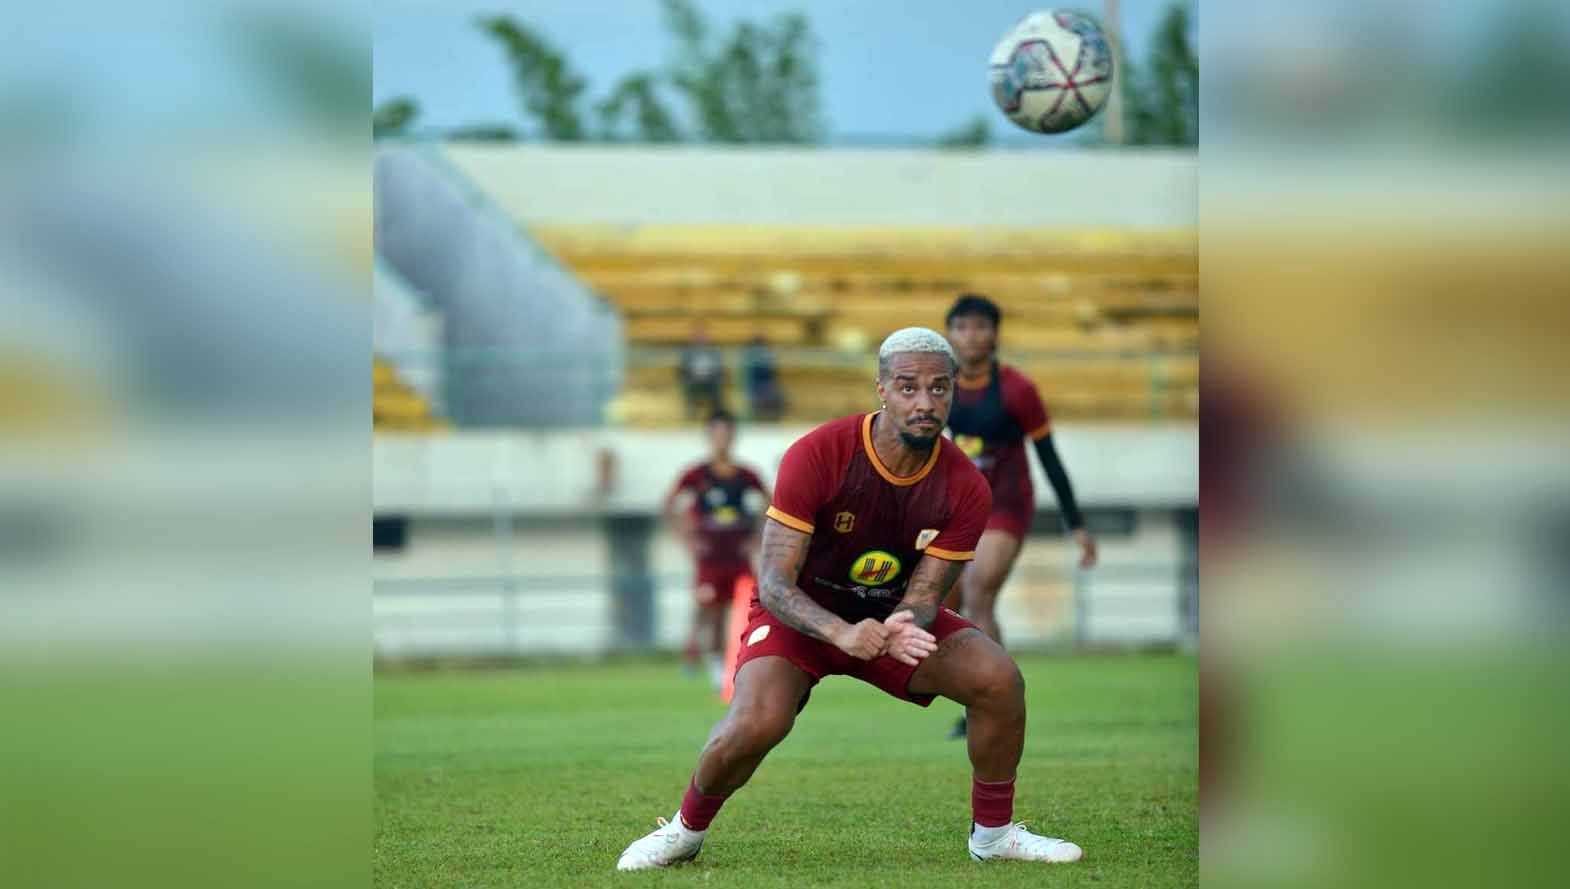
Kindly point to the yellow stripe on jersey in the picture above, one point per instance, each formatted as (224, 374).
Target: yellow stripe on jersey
(788, 520)
(949, 554)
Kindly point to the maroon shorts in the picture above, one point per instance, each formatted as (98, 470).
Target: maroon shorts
(716, 584)
(767, 635)
(1013, 510)
(1014, 521)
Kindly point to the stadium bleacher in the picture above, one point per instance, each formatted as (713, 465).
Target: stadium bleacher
(1105, 321)
(396, 406)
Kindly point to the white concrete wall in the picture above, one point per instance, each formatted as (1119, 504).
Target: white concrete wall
(444, 595)
(797, 186)
(408, 330)
(553, 472)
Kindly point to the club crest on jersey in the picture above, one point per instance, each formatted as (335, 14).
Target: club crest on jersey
(844, 521)
(874, 568)
(725, 515)
(926, 536)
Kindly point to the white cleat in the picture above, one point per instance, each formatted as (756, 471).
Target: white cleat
(672, 843)
(1019, 844)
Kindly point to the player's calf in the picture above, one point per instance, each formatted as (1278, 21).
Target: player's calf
(738, 744)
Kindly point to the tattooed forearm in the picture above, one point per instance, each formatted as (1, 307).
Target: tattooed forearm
(929, 584)
(784, 551)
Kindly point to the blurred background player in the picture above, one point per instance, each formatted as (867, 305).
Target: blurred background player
(702, 372)
(764, 395)
(995, 409)
(709, 509)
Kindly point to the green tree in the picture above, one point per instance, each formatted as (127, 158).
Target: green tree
(1161, 102)
(758, 84)
(974, 134)
(394, 117)
(548, 89)
(636, 94)
(484, 132)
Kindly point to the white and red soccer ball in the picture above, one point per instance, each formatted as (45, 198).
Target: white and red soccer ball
(1052, 71)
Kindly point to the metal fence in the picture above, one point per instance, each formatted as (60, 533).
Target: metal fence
(633, 602)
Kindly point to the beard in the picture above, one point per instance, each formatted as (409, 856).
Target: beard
(919, 443)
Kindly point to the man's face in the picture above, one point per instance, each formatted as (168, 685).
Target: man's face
(918, 392)
(973, 337)
(721, 435)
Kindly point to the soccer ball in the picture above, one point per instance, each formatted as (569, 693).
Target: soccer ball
(1052, 71)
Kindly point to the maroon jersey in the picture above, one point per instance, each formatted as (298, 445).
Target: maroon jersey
(990, 423)
(869, 527)
(719, 510)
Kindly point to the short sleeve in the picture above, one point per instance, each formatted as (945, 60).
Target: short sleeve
(1023, 404)
(687, 481)
(971, 506)
(800, 487)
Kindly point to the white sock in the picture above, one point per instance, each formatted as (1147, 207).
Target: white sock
(986, 836)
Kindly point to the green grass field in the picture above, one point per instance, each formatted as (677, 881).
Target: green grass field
(541, 776)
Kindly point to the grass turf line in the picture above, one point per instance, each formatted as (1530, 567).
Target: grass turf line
(541, 776)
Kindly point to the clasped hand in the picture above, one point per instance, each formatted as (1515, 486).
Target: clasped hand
(898, 636)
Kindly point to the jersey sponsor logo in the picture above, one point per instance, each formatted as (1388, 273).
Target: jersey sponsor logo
(861, 592)
(758, 635)
(874, 568)
(844, 521)
(971, 445)
(926, 536)
(725, 515)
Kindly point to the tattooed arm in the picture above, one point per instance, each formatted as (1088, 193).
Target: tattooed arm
(784, 552)
(929, 585)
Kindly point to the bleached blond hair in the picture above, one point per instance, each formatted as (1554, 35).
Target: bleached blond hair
(914, 339)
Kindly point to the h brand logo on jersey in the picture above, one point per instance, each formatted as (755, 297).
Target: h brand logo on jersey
(926, 536)
(874, 568)
(844, 521)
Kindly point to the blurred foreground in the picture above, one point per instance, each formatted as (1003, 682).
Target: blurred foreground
(1386, 500)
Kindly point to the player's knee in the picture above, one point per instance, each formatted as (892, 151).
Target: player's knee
(754, 731)
(1001, 686)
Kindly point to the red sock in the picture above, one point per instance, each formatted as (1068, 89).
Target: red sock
(697, 810)
(992, 802)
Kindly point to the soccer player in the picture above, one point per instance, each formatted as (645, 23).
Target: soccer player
(995, 409)
(708, 507)
(874, 515)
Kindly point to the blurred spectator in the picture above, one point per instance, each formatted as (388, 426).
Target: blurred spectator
(702, 375)
(763, 390)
